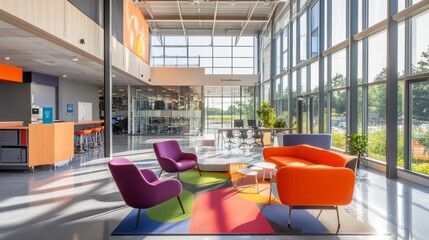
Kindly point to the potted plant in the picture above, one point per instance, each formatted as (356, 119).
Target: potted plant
(266, 115)
(280, 122)
(357, 145)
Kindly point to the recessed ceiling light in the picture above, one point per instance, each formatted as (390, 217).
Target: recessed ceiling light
(75, 59)
(149, 89)
(121, 90)
(113, 75)
(7, 58)
(64, 76)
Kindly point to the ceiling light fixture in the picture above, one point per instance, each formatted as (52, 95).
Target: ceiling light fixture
(7, 58)
(64, 76)
(113, 75)
(75, 59)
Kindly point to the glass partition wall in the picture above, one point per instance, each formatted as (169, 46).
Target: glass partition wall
(332, 57)
(190, 110)
(166, 110)
(224, 104)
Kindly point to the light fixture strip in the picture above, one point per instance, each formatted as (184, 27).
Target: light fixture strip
(247, 22)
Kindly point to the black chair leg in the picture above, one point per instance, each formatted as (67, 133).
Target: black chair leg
(178, 176)
(290, 216)
(181, 206)
(138, 217)
(160, 173)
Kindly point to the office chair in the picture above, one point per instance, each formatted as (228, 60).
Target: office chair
(230, 139)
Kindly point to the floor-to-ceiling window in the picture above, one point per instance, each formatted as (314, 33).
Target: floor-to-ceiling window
(218, 55)
(346, 70)
(338, 98)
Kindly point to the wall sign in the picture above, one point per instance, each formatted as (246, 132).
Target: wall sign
(70, 108)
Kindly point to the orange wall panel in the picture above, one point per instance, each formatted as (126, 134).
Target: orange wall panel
(136, 31)
(10, 73)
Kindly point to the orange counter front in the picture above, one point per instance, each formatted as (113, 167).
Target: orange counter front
(35, 144)
(50, 143)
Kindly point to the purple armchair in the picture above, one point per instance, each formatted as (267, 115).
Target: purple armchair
(140, 188)
(172, 159)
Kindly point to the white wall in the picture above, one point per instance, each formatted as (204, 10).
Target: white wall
(43, 96)
(73, 92)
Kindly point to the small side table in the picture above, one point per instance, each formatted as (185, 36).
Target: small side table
(266, 166)
(270, 167)
(252, 171)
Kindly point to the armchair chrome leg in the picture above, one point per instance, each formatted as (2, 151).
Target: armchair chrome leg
(181, 206)
(138, 217)
(338, 218)
(290, 216)
(160, 173)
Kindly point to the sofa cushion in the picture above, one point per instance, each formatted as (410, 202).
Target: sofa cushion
(281, 161)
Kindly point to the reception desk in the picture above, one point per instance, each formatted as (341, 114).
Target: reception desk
(36, 144)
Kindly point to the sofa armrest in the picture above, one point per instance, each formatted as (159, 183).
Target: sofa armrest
(315, 185)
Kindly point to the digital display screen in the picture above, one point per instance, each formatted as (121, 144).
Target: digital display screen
(35, 111)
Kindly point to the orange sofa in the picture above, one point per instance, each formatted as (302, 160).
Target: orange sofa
(311, 177)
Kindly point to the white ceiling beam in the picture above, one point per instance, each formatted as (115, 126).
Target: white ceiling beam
(149, 10)
(247, 22)
(270, 15)
(181, 21)
(214, 20)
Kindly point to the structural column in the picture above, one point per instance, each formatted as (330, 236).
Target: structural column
(322, 64)
(108, 78)
(353, 68)
(392, 91)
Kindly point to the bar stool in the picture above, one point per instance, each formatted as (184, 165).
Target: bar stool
(81, 136)
(94, 136)
(101, 136)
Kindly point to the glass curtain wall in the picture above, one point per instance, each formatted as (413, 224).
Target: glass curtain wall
(300, 41)
(221, 57)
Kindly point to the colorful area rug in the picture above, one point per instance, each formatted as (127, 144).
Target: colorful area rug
(214, 206)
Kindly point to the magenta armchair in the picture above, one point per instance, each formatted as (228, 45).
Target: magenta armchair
(140, 188)
(172, 159)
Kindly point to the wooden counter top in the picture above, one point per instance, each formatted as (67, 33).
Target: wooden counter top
(89, 122)
(13, 125)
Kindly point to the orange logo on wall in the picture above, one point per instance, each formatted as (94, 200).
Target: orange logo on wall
(136, 31)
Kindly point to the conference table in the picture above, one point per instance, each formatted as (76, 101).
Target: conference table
(220, 131)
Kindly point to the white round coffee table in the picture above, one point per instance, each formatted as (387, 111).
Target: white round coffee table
(266, 166)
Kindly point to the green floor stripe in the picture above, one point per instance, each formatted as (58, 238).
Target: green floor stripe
(170, 210)
(206, 178)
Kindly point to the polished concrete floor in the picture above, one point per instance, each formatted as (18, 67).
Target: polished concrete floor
(79, 200)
